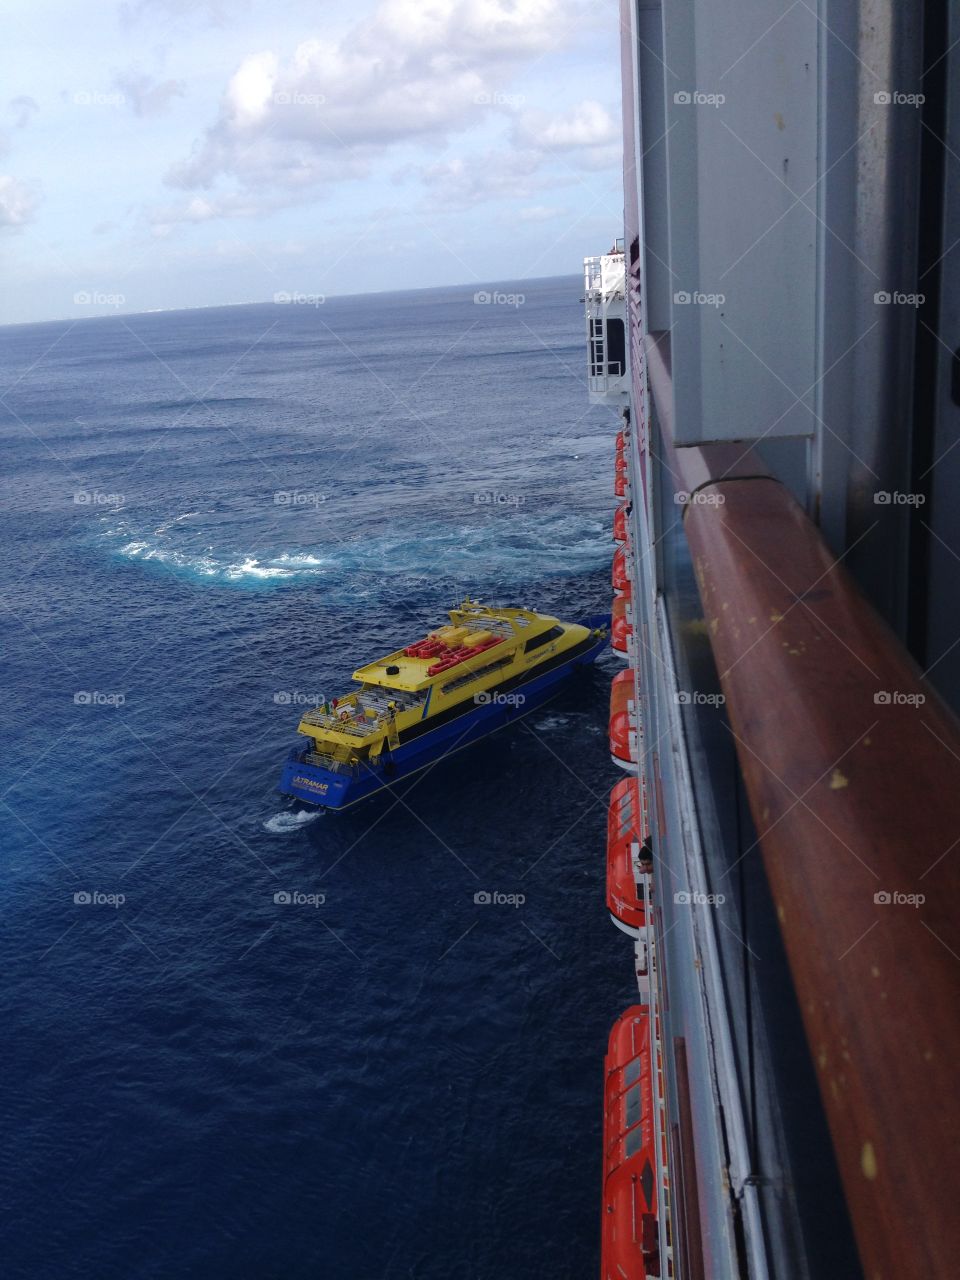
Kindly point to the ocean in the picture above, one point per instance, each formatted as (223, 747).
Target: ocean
(241, 1038)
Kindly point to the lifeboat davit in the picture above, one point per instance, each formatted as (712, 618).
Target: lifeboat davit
(620, 528)
(630, 1242)
(619, 574)
(621, 628)
(629, 855)
(624, 727)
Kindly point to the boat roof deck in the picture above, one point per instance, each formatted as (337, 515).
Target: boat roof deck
(412, 674)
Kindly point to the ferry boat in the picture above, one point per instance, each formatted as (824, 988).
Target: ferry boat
(436, 696)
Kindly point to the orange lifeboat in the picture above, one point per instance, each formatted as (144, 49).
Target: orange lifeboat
(621, 628)
(628, 855)
(630, 1244)
(624, 730)
(620, 577)
(621, 474)
(620, 530)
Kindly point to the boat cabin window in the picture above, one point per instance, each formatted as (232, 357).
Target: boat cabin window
(633, 1143)
(489, 669)
(631, 1072)
(547, 636)
(633, 1108)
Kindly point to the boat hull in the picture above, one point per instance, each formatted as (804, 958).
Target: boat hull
(327, 789)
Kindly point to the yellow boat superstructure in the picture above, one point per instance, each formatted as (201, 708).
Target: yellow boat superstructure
(482, 649)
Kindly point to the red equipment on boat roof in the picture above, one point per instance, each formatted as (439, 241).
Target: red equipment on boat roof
(449, 657)
(460, 654)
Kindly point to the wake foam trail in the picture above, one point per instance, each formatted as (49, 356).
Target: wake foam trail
(282, 824)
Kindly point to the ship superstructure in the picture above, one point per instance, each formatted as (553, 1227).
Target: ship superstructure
(604, 296)
(782, 852)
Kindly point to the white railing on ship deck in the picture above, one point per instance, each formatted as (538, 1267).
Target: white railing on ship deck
(650, 996)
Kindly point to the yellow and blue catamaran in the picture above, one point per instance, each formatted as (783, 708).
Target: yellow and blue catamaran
(437, 695)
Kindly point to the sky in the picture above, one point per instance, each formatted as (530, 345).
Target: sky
(176, 153)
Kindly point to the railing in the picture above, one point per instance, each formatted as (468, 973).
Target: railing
(592, 274)
(360, 724)
(330, 762)
(648, 983)
(851, 766)
(362, 727)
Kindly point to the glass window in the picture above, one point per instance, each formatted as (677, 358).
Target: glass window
(634, 1107)
(616, 348)
(547, 636)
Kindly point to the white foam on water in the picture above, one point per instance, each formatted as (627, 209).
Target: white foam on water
(252, 568)
(300, 562)
(282, 824)
(510, 547)
(552, 722)
(168, 524)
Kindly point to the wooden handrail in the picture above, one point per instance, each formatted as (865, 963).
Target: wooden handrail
(851, 765)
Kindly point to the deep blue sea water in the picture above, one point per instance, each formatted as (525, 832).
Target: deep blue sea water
(208, 518)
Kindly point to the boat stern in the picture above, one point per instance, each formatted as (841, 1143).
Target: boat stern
(314, 784)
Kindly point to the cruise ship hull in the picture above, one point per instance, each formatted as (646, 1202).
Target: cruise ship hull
(323, 787)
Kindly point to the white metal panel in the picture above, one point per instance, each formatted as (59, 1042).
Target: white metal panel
(740, 92)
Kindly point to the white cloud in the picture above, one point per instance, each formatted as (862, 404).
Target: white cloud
(588, 125)
(414, 71)
(146, 96)
(548, 151)
(206, 208)
(18, 201)
(539, 213)
(494, 175)
(23, 108)
(214, 12)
